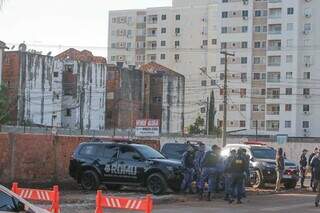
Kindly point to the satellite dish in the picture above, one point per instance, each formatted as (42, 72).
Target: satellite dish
(13, 47)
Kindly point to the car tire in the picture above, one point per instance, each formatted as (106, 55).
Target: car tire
(290, 184)
(156, 184)
(89, 180)
(113, 187)
(257, 180)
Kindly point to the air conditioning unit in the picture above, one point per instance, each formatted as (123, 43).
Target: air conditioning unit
(245, 2)
(306, 112)
(307, 15)
(305, 130)
(177, 34)
(202, 47)
(307, 96)
(245, 17)
(306, 32)
(307, 64)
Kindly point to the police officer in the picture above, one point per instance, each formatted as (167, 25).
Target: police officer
(315, 163)
(197, 164)
(312, 185)
(228, 175)
(237, 169)
(246, 172)
(188, 166)
(303, 167)
(211, 165)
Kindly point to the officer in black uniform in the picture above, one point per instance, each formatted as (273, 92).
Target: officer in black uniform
(303, 167)
(188, 166)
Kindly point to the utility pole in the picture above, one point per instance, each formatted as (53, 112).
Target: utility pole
(225, 96)
(81, 108)
(256, 130)
(207, 116)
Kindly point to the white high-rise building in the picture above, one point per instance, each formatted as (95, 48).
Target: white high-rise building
(273, 78)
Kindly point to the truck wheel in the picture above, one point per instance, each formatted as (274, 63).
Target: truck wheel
(290, 184)
(257, 180)
(89, 180)
(156, 184)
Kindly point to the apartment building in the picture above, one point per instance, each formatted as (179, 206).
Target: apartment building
(272, 80)
(64, 91)
(2, 48)
(182, 38)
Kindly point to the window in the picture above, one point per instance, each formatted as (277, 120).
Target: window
(163, 30)
(242, 123)
(245, 13)
(177, 30)
(244, 29)
(163, 43)
(288, 107)
(305, 124)
(55, 74)
(288, 91)
(7, 203)
(257, 44)
(306, 107)
(178, 17)
(163, 56)
(244, 44)
(223, 45)
(89, 150)
(243, 107)
(68, 112)
(290, 11)
(244, 60)
(110, 151)
(164, 17)
(306, 91)
(288, 75)
(203, 110)
(213, 68)
(306, 75)
(224, 14)
(177, 43)
(213, 82)
(257, 13)
(205, 42)
(214, 41)
(224, 30)
(128, 153)
(157, 100)
(289, 42)
(177, 57)
(257, 29)
(204, 83)
(287, 124)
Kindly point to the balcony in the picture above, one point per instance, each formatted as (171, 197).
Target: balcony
(275, 13)
(275, 1)
(273, 125)
(274, 61)
(275, 29)
(273, 109)
(152, 19)
(273, 77)
(273, 93)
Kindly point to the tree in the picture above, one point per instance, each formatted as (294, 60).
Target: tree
(197, 127)
(4, 105)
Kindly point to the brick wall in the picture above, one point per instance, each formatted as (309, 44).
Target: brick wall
(31, 158)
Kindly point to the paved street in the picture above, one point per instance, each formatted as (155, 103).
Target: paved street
(290, 202)
(265, 203)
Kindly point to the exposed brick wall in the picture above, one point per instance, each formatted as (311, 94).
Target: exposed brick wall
(40, 158)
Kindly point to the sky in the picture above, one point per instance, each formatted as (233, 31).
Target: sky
(55, 25)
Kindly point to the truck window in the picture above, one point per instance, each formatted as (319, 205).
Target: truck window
(110, 151)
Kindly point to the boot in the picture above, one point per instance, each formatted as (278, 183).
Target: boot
(209, 196)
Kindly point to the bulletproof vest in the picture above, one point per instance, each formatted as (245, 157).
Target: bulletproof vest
(189, 160)
(238, 164)
(211, 160)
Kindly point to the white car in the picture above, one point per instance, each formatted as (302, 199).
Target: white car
(10, 202)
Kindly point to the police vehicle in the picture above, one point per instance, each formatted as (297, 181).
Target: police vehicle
(10, 202)
(263, 165)
(117, 164)
(175, 150)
